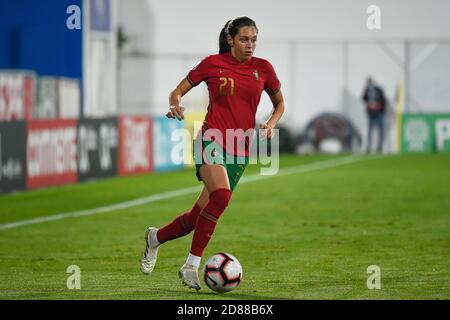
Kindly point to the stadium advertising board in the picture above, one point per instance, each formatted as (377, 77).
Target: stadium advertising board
(57, 98)
(16, 95)
(425, 132)
(135, 148)
(168, 149)
(13, 137)
(51, 153)
(97, 148)
(69, 98)
(47, 99)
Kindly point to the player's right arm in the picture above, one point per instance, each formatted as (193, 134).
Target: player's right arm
(175, 109)
(198, 74)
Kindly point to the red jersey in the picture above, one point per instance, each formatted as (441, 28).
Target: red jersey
(235, 90)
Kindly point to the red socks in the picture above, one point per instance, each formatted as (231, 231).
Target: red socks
(207, 220)
(181, 226)
(203, 221)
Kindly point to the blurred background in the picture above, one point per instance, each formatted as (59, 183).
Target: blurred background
(84, 84)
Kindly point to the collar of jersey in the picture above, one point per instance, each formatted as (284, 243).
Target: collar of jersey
(233, 60)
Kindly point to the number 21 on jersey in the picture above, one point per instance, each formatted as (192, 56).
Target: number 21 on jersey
(224, 83)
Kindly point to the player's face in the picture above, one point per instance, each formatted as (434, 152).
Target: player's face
(243, 45)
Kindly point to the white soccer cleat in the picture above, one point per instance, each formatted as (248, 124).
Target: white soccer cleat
(189, 277)
(148, 260)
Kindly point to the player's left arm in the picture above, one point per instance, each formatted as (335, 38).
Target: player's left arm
(278, 110)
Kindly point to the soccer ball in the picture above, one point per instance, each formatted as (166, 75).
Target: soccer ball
(222, 272)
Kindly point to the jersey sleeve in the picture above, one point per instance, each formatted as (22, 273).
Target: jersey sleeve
(199, 73)
(272, 84)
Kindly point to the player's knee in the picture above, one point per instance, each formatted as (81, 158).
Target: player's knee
(220, 199)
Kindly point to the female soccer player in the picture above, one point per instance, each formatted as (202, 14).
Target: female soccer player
(235, 81)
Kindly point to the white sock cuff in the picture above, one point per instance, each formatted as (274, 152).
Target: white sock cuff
(155, 239)
(193, 260)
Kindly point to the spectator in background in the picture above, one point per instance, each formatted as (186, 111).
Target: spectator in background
(375, 106)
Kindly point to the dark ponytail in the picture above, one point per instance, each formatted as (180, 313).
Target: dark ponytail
(232, 28)
(223, 43)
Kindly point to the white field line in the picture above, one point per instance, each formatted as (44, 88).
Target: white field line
(181, 192)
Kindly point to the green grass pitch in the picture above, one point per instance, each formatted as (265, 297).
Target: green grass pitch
(304, 235)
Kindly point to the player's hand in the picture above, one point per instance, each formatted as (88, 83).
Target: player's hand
(267, 131)
(175, 112)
